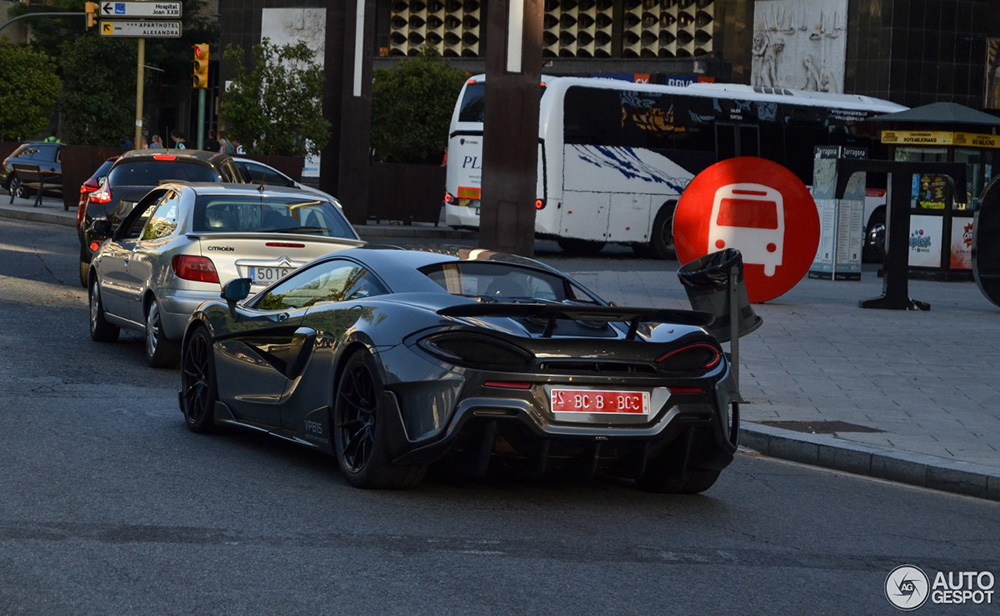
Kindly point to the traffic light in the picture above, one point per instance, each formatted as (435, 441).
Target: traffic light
(199, 73)
(91, 14)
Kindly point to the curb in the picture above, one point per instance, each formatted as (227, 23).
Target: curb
(872, 461)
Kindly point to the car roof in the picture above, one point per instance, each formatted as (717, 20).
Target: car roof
(396, 264)
(203, 156)
(233, 188)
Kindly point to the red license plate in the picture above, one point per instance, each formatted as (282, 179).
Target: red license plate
(594, 401)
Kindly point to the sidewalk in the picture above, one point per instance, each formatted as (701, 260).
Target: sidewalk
(904, 396)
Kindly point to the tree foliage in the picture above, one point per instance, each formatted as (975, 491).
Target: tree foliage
(28, 91)
(274, 107)
(98, 102)
(411, 108)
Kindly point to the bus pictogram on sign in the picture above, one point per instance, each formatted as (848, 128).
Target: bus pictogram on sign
(757, 207)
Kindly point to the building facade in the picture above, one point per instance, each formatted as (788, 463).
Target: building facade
(912, 52)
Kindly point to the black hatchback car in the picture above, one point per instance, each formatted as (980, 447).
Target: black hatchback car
(45, 155)
(136, 173)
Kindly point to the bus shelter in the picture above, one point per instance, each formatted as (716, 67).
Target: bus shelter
(941, 221)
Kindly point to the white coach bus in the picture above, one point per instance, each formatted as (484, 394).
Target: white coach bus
(615, 156)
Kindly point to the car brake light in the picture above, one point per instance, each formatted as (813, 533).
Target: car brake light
(691, 358)
(101, 196)
(164, 157)
(472, 82)
(198, 269)
(283, 245)
(94, 246)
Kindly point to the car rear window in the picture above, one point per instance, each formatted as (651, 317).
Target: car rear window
(152, 172)
(270, 213)
(501, 281)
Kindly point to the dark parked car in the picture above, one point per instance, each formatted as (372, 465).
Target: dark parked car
(134, 174)
(393, 359)
(45, 155)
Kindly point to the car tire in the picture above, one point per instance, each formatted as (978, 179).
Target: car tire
(16, 188)
(360, 431)
(873, 250)
(100, 329)
(661, 236)
(694, 481)
(580, 247)
(84, 266)
(199, 389)
(160, 352)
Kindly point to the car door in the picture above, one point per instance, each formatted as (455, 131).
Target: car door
(268, 347)
(147, 249)
(120, 289)
(329, 320)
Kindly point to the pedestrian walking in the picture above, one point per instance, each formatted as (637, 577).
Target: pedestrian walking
(52, 138)
(212, 144)
(157, 142)
(179, 139)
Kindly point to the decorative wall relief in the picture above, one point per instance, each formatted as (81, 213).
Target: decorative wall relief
(800, 44)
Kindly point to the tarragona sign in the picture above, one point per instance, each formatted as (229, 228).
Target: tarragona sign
(969, 140)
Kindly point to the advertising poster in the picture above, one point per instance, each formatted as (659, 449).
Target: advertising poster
(992, 89)
(841, 220)
(925, 241)
(930, 192)
(961, 243)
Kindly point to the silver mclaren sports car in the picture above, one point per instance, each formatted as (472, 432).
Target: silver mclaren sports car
(393, 360)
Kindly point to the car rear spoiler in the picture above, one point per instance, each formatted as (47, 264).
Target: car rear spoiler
(554, 312)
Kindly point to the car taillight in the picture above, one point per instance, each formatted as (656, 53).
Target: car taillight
(449, 198)
(477, 351)
(539, 204)
(164, 157)
(697, 357)
(101, 196)
(198, 269)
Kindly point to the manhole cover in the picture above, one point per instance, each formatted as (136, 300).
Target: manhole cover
(819, 427)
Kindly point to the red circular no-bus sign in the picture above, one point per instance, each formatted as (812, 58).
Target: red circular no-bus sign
(757, 207)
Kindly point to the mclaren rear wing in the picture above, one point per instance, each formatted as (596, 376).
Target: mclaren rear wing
(553, 312)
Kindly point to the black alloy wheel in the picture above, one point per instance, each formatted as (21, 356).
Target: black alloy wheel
(199, 391)
(360, 432)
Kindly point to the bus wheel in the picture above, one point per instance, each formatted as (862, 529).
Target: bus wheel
(580, 247)
(661, 240)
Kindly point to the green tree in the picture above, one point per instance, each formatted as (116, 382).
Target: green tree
(28, 91)
(411, 108)
(98, 102)
(275, 106)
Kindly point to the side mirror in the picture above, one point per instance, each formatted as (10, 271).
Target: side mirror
(101, 229)
(236, 290)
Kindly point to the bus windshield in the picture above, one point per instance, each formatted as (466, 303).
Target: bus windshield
(474, 102)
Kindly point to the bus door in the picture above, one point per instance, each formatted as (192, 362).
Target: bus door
(732, 140)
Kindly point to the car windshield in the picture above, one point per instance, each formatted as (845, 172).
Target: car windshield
(493, 281)
(152, 172)
(270, 213)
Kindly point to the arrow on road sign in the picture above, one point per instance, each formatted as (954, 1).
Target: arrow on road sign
(106, 27)
(108, 8)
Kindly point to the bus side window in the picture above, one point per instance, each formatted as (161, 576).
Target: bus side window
(592, 116)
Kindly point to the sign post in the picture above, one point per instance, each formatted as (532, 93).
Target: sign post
(124, 23)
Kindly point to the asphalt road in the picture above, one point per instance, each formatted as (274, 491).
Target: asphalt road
(108, 505)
